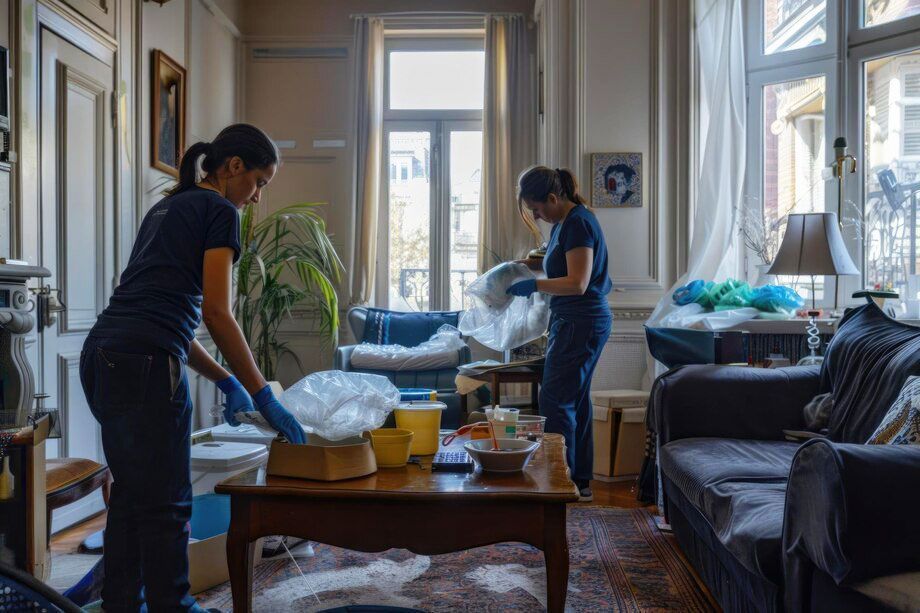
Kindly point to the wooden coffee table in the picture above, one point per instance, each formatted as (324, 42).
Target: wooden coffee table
(410, 508)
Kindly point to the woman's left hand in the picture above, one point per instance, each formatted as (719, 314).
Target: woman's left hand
(523, 288)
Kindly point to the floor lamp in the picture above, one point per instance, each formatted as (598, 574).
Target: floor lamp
(813, 246)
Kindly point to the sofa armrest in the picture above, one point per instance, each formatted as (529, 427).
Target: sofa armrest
(343, 357)
(730, 401)
(851, 512)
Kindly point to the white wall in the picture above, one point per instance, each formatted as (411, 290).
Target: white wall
(205, 41)
(307, 99)
(618, 83)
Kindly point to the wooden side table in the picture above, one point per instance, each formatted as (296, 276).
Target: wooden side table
(522, 374)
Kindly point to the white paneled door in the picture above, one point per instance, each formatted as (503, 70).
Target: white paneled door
(77, 233)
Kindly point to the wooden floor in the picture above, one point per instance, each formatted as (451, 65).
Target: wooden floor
(621, 494)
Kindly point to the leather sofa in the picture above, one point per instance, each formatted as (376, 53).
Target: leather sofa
(771, 524)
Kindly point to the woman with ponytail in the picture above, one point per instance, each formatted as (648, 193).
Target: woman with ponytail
(133, 365)
(577, 281)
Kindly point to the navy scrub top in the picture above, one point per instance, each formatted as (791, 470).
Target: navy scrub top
(579, 229)
(158, 301)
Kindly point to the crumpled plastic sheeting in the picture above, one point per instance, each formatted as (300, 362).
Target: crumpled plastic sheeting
(501, 321)
(336, 405)
(442, 350)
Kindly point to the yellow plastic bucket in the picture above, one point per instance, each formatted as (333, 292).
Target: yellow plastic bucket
(391, 446)
(423, 417)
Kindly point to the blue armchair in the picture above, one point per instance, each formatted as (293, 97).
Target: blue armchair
(384, 327)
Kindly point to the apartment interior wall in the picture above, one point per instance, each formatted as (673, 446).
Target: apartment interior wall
(302, 101)
(617, 77)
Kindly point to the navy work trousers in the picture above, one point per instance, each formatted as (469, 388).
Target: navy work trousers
(139, 395)
(575, 344)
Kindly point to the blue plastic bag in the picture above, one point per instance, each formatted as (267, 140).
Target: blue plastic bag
(695, 291)
(776, 299)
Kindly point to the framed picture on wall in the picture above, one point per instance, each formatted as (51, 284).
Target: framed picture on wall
(616, 180)
(167, 112)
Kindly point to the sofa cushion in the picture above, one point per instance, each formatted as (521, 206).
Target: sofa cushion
(867, 363)
(384, 327)
(740, 487)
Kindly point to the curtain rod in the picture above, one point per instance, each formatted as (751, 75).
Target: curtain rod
(424, 14)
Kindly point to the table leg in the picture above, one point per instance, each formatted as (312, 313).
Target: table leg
(556, 556)
(535, 397)
(240, 555)
(464, 411)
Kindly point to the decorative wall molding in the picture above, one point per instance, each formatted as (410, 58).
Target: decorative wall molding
(631, 314)
(581, 165)
(221, 18)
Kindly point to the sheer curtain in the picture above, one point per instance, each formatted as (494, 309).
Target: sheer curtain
(722, 134)
(368, 126)
(508, 139)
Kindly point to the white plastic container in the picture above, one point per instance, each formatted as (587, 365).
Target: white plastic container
(214, 461)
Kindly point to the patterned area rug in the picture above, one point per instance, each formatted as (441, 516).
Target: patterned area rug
(619, 561)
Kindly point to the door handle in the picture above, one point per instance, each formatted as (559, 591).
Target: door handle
(48, 303)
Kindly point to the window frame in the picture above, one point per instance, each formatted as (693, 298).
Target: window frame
(451, 43)
(848, 46)
(439, 123)
(856, 118)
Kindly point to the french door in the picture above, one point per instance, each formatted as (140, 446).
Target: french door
(430, 219)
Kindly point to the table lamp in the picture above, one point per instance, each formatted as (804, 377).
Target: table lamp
(813, 246)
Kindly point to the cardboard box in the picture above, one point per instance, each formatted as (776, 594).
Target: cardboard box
(207, 551)
(322, 460)
(619, 433)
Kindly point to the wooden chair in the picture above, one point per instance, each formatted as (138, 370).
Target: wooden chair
(70, 479)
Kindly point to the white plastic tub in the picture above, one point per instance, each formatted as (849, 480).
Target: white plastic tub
(214, 461)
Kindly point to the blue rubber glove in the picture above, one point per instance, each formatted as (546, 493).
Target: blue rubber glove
(278, 417)
(523, 288)
(237, 399)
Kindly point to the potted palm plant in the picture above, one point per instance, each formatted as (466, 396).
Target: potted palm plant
(287, 261)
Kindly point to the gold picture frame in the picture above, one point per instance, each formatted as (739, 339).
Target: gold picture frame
(167, 114)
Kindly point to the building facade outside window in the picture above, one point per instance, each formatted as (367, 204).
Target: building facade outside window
(433, 149)
(800, 98)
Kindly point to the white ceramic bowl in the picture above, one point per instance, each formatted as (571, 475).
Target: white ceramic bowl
(514, 459)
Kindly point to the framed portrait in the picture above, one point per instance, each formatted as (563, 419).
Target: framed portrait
(616, 180)
(167, 112)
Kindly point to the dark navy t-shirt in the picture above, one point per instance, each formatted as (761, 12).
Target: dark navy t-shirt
(158, 300)
(579, 229)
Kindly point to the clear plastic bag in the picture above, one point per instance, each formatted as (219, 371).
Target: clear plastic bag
(501, 321)
(335, 404)
(440, 351)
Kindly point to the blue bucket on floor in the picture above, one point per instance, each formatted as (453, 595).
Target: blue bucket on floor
(407, 394)
(210, 515)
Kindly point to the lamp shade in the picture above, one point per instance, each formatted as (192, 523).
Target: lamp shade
(813, 245)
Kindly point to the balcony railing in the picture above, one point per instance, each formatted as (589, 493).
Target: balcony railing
(414, 287)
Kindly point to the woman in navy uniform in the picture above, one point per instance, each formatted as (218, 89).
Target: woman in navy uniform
(133, 365)
(577, 281)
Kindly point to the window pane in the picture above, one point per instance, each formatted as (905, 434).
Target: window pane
(465, 175)
(793, 157)
(793, 24)
(410, 196)
(437, 79)
(892, 182)
(876, 12)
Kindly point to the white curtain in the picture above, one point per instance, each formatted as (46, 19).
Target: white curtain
(722, 134)
(508, 139)
(368, 126)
